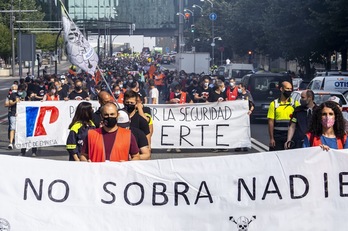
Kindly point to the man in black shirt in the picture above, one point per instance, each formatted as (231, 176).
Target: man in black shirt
(300, 120)
(131, 106)
(11, 103)
(78, 93)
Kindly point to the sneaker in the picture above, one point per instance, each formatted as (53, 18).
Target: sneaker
(169, 150)
(237, 149)
(33, 155)
(245, 149)
(10, 146)
(215, 150)
(178, 150)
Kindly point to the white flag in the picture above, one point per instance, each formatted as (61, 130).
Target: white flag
(78, 49)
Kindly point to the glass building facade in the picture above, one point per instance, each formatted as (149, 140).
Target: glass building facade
(145, 14)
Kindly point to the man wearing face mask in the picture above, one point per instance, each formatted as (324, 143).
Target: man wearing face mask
(118, 94)
(232, 90)
(136, 113)
(202, 94)
(300, 120)
(109, 143)
(78, 93)
(103, 98)
(278, 115)
(178, 97)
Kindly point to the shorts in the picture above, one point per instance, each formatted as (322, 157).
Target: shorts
(12, 123)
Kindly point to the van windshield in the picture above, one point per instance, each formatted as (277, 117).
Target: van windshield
(240, 73)
(265, 83)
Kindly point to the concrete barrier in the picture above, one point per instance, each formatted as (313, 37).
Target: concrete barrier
(5, 72)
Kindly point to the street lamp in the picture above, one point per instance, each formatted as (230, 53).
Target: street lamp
(211, 3)
(179, 13)
(181, 39)
(212, 48)
(194, 6)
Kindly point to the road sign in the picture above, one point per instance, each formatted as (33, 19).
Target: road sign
(212, 16)
(167, 50)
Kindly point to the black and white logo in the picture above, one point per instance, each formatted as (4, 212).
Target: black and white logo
(4, 225)
(242, 222)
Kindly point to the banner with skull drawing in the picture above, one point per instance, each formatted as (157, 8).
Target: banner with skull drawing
(78, 49)
(299, 189)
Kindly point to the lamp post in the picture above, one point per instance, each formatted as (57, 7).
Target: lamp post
(181, 29)
(212, 48)
(212, 31)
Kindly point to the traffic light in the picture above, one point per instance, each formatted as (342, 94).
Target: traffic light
(250, 56)
(187, 17)
(193, 28)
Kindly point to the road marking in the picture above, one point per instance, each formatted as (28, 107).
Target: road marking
(4, 89)
(259, 146)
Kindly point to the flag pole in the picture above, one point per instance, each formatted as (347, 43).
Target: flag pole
(108, 86)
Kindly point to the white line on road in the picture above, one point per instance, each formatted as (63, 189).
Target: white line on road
(262, 146)
(4, 89)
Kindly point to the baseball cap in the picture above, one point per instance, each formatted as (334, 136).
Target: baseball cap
(123, 119)
(336, 100)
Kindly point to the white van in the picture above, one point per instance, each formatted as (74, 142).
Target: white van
(330, 83)
(235, 70)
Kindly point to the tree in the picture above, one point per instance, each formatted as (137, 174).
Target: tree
(5, 42)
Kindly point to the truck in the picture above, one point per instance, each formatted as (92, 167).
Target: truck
(197, 62)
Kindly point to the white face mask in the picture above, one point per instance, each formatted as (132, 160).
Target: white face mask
(240, 90)
(232, 84)
(206, 84)
(121, 85)
(14, 91)
(177, 93)
(117, 92)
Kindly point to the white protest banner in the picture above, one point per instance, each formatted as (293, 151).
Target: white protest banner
(207, 125)
(212, 125)
(41, 124)
(302, 189)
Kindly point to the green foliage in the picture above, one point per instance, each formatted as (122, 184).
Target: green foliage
(47, 42)
(5, 41)
(302, 30)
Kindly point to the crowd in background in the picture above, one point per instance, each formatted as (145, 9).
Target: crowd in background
(121, 79)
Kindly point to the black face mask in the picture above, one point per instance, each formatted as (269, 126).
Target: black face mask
(78, 88)
(287, 94)
(129, 108)
(110, 122)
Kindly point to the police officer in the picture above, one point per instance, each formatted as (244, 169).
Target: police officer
(279, 116)
(300, 120)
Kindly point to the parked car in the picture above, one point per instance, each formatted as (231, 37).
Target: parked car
(264, 88)
(165, 59)
(322, 96)
(296, 83)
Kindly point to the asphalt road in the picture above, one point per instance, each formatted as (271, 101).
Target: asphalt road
(258, 131)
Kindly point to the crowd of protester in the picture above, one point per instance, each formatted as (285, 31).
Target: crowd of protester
(133, 81)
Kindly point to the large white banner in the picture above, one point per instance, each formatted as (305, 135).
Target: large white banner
(303, 189)
(213, 125)
(42, 124)
(206, 125)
